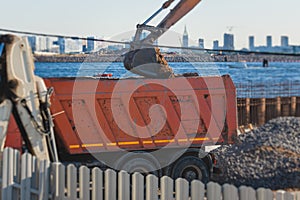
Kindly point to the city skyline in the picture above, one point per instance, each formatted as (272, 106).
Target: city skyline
(61, 45)
(108, 18)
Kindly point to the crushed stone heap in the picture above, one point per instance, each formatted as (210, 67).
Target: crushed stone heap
(265, 157)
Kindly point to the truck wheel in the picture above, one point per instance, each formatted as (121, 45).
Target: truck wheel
(190, 168)
(139, 162)
(140, 165)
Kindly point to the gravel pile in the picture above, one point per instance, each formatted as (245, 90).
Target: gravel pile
(266, 157)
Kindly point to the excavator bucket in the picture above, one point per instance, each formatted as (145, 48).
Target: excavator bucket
(148, 62)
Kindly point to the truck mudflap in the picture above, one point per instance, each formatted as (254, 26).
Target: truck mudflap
(216, 172)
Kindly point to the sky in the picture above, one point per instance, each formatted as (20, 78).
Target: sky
(113, 19)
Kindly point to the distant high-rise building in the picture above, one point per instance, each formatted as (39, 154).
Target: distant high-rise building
(61, 44)
(185, 38)
(228, 41)
(84, 46)
(90, 44)
(284, 41)
(251, 42)
(216, 45)
(201, 43)
(49, 43)
(73, 45)
(41, 46)
(269, 41)
(32, 42)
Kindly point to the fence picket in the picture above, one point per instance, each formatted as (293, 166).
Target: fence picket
(264, 194)
(166, 188)
(151, 187)
(58, 185)
(34, 177)
(247, 193)
(26, 175)
(251, 193)
(12, 174)
(1, 172)
(84, 183)
(269, 194)
(280, 195)
(198, 190)
(182, 189)
(260, 192)
(36, 182)
(110, 185)
(288, 196)
(6, 179)
(71, 182)
(230, 192)
(213, 191)
(16, 173)
(137, 186)
(123, 185)
(97, 184)
(44, 179)
(297, 196)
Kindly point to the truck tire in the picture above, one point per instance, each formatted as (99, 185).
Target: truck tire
(190, 168)
(138, 165)
(142, 163)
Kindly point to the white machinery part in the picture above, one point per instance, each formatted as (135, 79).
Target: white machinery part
(211, 148)
(20, 68)
(5, 111)
(30, 100)
(43, 97)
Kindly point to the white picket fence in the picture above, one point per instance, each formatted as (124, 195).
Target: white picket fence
(24, 177)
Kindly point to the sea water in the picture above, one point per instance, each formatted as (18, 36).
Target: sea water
(277, 74)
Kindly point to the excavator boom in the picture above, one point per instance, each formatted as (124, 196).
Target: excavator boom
(137, 59)
(180, 10)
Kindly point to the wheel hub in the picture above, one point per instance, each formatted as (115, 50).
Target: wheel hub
(191, 173)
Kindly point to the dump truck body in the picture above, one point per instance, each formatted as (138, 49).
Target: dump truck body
(99, 115)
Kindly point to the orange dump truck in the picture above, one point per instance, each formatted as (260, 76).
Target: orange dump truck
(161, 126)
